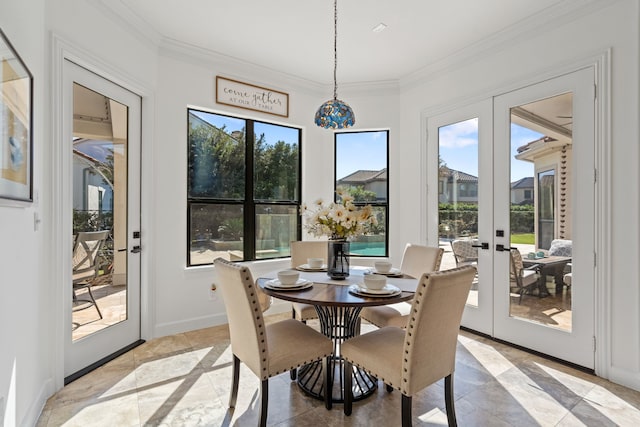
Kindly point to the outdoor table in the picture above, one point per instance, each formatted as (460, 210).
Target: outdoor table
(550, 265)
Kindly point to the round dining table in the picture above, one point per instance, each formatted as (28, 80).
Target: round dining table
(338, 306)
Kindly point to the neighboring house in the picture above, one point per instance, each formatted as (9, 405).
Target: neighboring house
(522, 191)
(457, 186)
(375, 181)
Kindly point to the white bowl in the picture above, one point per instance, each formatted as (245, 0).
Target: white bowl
(375, 281)
(288, 277)
(315, 262)
(382, 266)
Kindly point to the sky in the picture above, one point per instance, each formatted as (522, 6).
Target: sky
(459, 148)
(368, 150)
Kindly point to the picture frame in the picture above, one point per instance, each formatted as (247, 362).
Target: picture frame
(16, 125)
(251, 97)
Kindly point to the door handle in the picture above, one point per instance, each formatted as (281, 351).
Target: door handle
(122, 250)
(135, 250)
(502, 248)
(483, 245)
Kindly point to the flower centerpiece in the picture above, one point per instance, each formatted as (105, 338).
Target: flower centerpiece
(339, 221)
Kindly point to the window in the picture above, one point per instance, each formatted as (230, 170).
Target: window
(362, 168)
(243, 189)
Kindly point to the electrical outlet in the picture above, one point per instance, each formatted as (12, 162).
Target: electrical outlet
(213, 294)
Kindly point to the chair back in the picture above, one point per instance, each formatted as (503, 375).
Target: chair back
(432, 332)
(464, 252)
(301, 251)
(418, 259)
(516, 267)
(86, 247)
(246, 324)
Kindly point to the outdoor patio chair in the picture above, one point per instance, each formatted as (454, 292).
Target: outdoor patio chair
(521, 278)
(86, 247)
(464, 252)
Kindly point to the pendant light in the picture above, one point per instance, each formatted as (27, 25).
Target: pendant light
(334, 113)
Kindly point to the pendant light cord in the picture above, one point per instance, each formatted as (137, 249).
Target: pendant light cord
(335, 49)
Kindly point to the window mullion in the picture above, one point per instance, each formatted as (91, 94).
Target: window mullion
(249, 202)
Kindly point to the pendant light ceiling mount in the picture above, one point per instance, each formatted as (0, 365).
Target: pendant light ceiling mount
(334, 113)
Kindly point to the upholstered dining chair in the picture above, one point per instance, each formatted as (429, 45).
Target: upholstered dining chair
(86, 248)
(412, 359)
(301, 251)
(416, 260)
(267, 350)
(521, 278)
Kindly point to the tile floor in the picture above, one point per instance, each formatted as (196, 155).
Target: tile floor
(184, 379)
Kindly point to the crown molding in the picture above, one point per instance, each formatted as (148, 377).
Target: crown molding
(125, 18)
(547, 19)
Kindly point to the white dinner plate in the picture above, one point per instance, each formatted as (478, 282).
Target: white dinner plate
(306, 267)
(299, 285)
(388, 290)
(391, 273)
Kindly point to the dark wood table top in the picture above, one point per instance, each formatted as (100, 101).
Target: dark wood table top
(327, 292)
(548, 260)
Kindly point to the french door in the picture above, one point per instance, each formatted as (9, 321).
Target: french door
(102, 127)
(515, 178)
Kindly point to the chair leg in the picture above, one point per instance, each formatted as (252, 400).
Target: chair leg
(264, 402)
(293, 374)
(235, 378)
(94, 301)
(348, 384)
(328, 382)
(449, 400)
(406, 411)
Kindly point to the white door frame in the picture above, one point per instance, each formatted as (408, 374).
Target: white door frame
(58, 171)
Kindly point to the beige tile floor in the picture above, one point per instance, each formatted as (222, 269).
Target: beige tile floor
(184, 380)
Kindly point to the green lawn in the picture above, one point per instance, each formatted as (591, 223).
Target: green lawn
(525, 238)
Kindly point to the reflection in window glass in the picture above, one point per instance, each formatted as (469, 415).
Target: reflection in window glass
(362, 169)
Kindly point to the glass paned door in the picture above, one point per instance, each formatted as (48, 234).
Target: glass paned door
(102, 124)
(462, 157)
(544, 146)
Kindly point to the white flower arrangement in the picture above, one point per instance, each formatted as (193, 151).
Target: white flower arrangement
(340, 220)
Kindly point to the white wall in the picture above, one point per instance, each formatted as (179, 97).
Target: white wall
(182, 295)
(24, 366)
(524, 60)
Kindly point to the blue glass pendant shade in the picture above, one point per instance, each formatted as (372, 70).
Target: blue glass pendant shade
(335, 114)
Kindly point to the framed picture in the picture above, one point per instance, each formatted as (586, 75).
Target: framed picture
(16, 125)
(251, 97)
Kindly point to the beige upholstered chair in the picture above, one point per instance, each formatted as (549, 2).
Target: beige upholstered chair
(86, 248)
(416, 260)
(300, 252)
(267, 350)
(522, 279)
(410, 360)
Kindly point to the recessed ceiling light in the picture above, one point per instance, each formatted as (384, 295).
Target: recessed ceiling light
(379, 28)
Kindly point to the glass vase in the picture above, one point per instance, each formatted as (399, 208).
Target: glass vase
(338, 259)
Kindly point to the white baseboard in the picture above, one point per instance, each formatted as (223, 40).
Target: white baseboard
(186, 325)
(35, 409)
(626, 378)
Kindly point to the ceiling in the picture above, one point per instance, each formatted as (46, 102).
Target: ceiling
(296, 36)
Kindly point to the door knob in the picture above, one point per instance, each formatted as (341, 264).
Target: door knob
(483, 245)
(502, 248)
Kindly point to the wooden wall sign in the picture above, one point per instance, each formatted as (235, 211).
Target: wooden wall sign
(251, 97)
